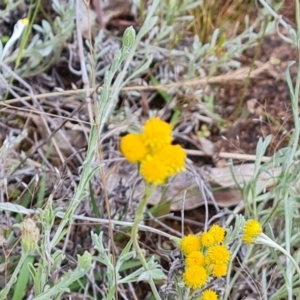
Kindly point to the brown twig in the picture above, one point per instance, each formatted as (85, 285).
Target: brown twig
(228, 155)
(238, 75)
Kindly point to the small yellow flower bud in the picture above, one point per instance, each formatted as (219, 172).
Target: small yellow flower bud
(195, 258)
(219, 254)
(133, 147)
(195, 277)
(209, 295)
(218, 233)
(189, 244)
(219, 270)
(207, 239)
(252, 229)
(25, 21)
(157, 133)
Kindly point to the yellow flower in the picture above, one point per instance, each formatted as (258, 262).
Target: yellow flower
(189, 244)
(195, 277)
(133, 147)
(209, 295)
(207, 239)
(154, 170)
(218, 233)
(195, 258)
(218, 254)
(157, 133)
(219, 270)
(168, 161)
(25, 21)
(173, 157)
(152, 148)
(251, 230)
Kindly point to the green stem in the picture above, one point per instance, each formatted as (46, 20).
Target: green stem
(13, 277)
(28, 30)
(265, 240)
(288, 226)
(291, 161)
(191, 294)
(134, 235)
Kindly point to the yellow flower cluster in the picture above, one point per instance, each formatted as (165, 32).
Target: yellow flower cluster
(205, 257)
(152, 148)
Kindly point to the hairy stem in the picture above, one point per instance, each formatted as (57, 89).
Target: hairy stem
(134, 235)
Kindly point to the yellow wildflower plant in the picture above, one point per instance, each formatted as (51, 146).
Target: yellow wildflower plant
(152, 148)
(218, 233)
(195, 258)
(253, 234)
(218, 254)
(219, 270)
(189, 244)
(195, 277)
(157, 133)
(209, 295)
(251, 230)
(207, 239)
(133, 147)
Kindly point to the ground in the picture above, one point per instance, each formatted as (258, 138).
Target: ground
(247, 109)
(266, 107)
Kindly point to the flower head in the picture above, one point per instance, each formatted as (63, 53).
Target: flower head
(173, 156)
(207, 239)
(218, 233)
(133, 147)
(209, 295)
(219, 270)
(195, 277)
(195, 258)
(189, 244)
(154, 170)
(251, 230)
(157, 133)
(218, 254)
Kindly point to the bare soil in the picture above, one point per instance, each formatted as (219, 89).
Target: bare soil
(265, 102)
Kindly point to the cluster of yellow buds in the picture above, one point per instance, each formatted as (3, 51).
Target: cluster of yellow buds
(206, 257)
(153, 150)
